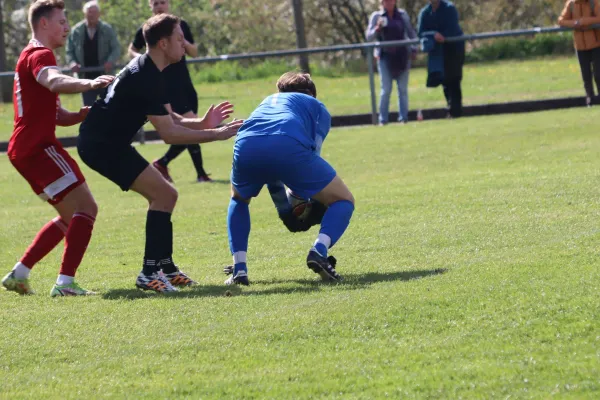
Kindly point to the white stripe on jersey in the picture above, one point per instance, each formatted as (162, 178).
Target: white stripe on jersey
(37, 78)
(18, 95)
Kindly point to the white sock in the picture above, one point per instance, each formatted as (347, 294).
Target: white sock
(324, 240)
(64, 280)
(239, 257)
(21, 271)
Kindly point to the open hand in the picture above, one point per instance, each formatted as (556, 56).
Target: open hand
(102, 81)
(215, 115)
(229, 130)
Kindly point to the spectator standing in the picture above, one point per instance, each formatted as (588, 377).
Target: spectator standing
(392, 23)
(92, 43)
(580, 15)
(439, 20)
(183, 96)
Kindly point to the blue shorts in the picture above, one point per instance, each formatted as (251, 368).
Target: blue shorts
(258, 160)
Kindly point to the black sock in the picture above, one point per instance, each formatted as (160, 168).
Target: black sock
(159, 240)
(166, 264)
(171, 154)
(150, 266)
(196, 155)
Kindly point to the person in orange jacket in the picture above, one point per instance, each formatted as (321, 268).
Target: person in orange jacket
(580, 15)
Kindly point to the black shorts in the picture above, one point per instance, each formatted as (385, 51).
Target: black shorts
(120, 163)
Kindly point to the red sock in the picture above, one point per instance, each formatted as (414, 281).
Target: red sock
(76, 241)
(46, 239)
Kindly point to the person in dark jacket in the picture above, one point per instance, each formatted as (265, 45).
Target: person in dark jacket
(440, 20)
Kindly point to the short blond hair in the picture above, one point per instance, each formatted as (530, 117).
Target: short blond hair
(43, 8)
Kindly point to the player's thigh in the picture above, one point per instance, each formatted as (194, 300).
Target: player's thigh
(51, 172)
(249, 173)
(306, 173)
(151, 184)
(121, 164)
(336, 190)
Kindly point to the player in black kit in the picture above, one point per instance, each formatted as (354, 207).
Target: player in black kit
(182, 95)
(136, 95)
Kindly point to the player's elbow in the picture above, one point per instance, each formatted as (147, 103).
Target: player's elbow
(54, 86)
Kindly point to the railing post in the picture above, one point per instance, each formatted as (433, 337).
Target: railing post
(370, 63)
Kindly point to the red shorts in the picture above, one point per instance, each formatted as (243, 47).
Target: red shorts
(50, 171)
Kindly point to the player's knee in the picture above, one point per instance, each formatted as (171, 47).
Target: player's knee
(350, 198)
(170, 196)
(88, 206)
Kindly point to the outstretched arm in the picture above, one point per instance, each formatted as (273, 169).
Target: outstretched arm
(214, 117)
(57, 82)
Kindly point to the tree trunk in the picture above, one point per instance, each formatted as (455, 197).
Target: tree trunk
(6, 83)
(300, 35)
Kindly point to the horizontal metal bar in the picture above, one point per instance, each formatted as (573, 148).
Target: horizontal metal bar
(347, 47)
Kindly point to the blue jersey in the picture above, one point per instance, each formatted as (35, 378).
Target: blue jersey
(296, 115)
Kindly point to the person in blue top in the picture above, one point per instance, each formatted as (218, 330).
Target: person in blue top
(440, 19)
(280, 143)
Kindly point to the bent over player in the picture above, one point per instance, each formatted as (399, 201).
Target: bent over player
(39, 157)
(105, 138)
(281, 143)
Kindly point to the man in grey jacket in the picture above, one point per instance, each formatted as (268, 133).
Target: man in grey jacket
(392, 23)
(92, 43)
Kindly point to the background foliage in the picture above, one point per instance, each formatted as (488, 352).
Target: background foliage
(238, 26)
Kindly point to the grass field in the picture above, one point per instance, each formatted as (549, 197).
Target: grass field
(483, 83)
(471, 269)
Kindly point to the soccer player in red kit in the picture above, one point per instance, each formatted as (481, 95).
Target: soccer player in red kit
(38, 156)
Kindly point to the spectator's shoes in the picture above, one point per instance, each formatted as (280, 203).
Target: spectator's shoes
(13, 284)
(324, 266)
(72, 289)
(204, 179)
(241, 278)
(164, 171)
(588, 101)
(180, 279)
(156, 282)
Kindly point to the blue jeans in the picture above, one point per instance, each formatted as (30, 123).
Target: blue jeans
(386, 91)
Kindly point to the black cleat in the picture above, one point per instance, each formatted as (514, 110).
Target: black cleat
(241, 278)
(324, 266)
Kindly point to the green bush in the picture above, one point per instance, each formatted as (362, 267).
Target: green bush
(522, 48)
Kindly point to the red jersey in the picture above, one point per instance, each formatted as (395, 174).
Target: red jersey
(35, 106)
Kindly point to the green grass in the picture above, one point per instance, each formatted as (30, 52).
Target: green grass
(471, 270)
(483, 83)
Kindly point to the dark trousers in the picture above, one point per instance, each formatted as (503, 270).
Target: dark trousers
(90, 96)
(453, 94)
(590, 60)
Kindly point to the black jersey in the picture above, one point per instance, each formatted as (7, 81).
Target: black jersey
(137, 91)
(176, 75)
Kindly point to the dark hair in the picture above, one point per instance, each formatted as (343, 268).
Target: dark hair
(43, 8)
(297, 82)
(159, 27)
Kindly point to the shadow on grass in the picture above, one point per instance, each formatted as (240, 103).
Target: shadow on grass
(351, 282)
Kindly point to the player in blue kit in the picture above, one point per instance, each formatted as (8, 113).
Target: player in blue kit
(281, 143)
